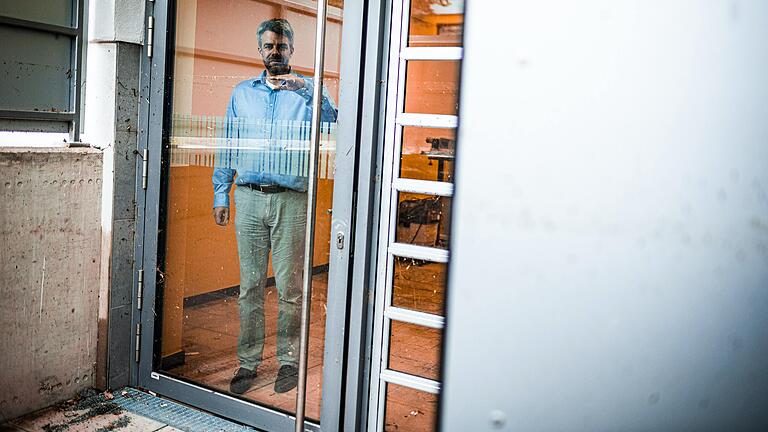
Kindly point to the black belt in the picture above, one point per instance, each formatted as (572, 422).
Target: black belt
(264, 188)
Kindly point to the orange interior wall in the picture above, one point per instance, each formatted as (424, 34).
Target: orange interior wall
(202, 256)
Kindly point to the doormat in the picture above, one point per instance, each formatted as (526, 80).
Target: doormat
(172, 413)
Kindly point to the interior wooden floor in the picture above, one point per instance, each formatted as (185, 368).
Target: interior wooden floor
(210, 339)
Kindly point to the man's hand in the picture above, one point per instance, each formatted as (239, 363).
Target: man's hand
(287, 82)
(221, 215)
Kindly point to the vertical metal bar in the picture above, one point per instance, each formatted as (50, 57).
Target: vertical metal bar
(76, 70)
(314, 147)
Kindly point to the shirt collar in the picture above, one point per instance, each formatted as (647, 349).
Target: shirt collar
(259, 79)
(262, 78)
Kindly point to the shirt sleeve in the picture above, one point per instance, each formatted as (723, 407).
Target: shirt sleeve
(223, 173)
(329, 112)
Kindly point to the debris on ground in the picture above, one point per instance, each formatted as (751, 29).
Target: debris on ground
(121, 422)
(94, 404)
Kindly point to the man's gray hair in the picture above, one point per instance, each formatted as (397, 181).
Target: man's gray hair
(279, 26)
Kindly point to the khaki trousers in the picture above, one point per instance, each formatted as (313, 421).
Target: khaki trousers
(265, 222)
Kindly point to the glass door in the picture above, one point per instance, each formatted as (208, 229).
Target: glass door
(228, 157)
(419, 150)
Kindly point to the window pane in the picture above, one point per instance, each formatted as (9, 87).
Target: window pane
(423, 220)
(410, 410)
(434, 24)
(415, 350)
(419, 285)
(432, 87)
(35, 70)
(232, 291)
(56, 12)
(428, 154)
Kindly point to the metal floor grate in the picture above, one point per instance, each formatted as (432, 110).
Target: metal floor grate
(172, 413)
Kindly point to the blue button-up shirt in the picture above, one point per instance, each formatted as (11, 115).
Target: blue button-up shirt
(260, 120)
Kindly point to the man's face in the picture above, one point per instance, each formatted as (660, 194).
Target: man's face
(276, 51)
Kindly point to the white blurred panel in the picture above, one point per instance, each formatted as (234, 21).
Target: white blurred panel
(609, 262)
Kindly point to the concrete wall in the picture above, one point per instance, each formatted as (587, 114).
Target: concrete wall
(609, 262)
(111, 123)
(49, 275)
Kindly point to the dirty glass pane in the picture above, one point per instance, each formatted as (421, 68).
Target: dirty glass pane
(56, 12)
(235, 206)
(35, 70)
(411, 410)
(436, 23)
(423, 220)
(415, 350)
(428, 154)
(419, 285)
(432, 87)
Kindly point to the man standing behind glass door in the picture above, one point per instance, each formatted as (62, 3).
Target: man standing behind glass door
(271, 205)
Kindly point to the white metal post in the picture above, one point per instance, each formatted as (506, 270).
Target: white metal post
(314, 146)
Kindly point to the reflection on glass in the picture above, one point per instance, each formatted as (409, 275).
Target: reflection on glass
(431, 87)
(423, 220)
(419, 285)
(409, 410)
(428, 154)
(415, 350)
(436, 22)
(236, 199)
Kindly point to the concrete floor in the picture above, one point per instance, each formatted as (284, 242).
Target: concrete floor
(126, 410)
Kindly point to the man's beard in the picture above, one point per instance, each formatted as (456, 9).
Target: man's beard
(276, 66)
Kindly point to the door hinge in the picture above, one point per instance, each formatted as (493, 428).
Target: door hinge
(150, 34)
(138, 341)
(144, 168)
(140, 289)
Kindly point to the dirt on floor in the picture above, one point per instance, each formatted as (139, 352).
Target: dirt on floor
(86, 405)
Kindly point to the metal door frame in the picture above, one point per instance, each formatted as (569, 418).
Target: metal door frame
(396, 119)
(341, 302)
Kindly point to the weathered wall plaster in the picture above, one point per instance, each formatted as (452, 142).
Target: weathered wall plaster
(49, 275)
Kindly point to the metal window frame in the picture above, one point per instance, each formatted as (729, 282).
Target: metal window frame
(410, 381)
(423, 187)
(415, 317)
(368, 192)
(432, 53)
(21, 120)
(427, 120)
(395, 120)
